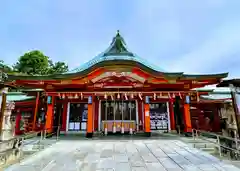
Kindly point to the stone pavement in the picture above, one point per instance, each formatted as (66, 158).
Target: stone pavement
(122, 155)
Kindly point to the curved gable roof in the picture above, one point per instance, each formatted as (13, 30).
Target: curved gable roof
(117, 54)
(117, 50)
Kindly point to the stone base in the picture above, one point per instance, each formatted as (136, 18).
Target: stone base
(89, 135)
(6, 135)
(148, 134)
(9, 157)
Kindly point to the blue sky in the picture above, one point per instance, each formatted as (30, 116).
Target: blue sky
(200, 36)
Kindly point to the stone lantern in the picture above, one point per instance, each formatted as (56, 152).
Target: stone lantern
(7, 126)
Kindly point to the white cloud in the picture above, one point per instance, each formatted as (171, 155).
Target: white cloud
(210, 39)
(215, 51)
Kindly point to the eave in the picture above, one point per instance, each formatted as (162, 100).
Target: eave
(103, 64)
(205, 76)
(227, 83)
(116, 63)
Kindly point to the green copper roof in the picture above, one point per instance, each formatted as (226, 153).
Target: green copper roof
(215, 93)
(18, 96)
(116, 51)
(217, 96)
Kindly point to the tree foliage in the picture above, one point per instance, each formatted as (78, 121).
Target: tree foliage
(36, 63)
(57, 68)
(4, 67)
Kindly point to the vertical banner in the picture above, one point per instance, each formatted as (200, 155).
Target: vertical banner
(147, 101)
(187, 100)
(90, 100)
(49, 100)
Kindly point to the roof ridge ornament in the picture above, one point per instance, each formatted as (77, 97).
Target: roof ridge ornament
(118, 46)
(117, 50)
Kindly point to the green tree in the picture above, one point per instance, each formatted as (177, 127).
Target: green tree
(57, 68)
(4, 67)
(33, 63)
(36, 63)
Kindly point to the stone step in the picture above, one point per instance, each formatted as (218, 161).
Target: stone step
(203, 145)
(208, 149)
(200, 141)
(38, 146)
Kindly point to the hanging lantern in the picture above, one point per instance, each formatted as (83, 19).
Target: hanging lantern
(126, 96)
(173, 95)
(118, 96)
(169, 96)
(180, 95)
(154, 96)
(132, 96)
(112, 97)
(76, 96)
(160, 94)
(63, 96)
(140, 96)
(105, 96)
(81, 96)
(197, 97)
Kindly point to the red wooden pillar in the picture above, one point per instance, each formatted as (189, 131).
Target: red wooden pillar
(147, 117)
(17, 123)
(90, 118)
(64, 116)
(140, 114)
(187, 115)
(96, 113)
(49, 116)
(172, 117)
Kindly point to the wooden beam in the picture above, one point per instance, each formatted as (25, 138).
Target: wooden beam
(102, 93)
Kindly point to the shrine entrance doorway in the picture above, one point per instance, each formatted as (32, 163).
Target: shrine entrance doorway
(77, 117)
(119, 112)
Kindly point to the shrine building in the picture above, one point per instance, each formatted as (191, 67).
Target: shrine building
(116, 91)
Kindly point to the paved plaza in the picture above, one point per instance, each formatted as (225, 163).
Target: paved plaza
(122, 155)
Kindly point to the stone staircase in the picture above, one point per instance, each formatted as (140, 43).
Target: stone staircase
(36, 144)
(207, 145)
